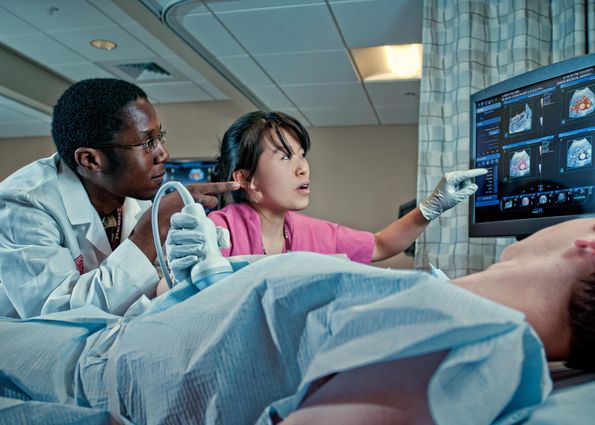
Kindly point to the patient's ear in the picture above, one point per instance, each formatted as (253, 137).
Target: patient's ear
(242, 177)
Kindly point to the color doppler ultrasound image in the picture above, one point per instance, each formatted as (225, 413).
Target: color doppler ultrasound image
(520, 164)
(582, 103)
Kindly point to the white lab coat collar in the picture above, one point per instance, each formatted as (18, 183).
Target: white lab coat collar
(131, 211)
(80, 211)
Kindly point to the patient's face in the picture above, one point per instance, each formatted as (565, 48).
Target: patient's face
(550, 241)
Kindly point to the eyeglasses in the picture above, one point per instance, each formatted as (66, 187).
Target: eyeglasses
(148, 146)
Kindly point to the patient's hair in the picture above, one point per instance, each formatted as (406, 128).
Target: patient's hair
(89, 114)
(241, 146)
(582, 323)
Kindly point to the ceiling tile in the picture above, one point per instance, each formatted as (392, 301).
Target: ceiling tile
(42, 49)
(398, 114)
(185, 8)
(82, 71)
(309, 67)
(184, 68)
(387, 93)
(233, 5)
(208, 32)
(212, 90)
(175, 92)
(272, 97)
(393, 21)
(296, 113)
(246, 70)
(288, 53)
(112, 11)
(274, 30)
(147, 38)
(12, 25)
(129, 48)
(327, 95)
(323, 117)
(155, 5)
(57, 14)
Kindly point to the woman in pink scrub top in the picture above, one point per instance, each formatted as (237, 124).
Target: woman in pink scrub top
(265, 152)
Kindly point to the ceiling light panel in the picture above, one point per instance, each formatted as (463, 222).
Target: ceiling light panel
(104, 44)
(394, 62)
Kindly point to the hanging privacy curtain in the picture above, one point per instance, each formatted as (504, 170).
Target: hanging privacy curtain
(469, 45)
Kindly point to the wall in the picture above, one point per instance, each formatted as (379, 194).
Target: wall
(14, 153)
(359, 175)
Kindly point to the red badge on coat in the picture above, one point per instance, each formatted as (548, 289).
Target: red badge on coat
(78, 261)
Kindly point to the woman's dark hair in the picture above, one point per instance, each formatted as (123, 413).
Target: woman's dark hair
(89, 113)
(242, 146)
(582, 324)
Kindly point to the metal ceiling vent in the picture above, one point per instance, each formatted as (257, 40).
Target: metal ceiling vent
(146, 71)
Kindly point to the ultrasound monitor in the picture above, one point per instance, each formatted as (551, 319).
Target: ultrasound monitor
(534, 133)
(189, 170)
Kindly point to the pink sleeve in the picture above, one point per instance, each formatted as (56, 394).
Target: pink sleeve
(358, 245)
(316, 235)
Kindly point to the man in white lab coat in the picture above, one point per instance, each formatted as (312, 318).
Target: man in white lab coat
(74, 227)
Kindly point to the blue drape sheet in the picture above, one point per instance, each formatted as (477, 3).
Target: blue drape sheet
(252, 343)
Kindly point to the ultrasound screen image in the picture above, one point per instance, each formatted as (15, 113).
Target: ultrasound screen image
(534, 134)
(520, 164)
(582, 103)
(521, 121)
(579, 154)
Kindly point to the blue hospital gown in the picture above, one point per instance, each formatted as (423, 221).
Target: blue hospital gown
(252, 343)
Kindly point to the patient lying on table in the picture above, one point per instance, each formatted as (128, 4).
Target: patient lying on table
(339, 342)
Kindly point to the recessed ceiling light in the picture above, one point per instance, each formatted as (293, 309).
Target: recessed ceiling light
(390, 62)
(104, 44)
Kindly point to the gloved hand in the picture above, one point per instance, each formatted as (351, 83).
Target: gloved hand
(453, 188)
(185, 243)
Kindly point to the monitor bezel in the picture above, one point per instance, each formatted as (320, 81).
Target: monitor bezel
(526, 226)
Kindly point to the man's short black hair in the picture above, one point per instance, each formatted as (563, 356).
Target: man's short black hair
(89, 113)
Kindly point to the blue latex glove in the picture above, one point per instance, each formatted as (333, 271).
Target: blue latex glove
(185, 242)
(453, 188)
